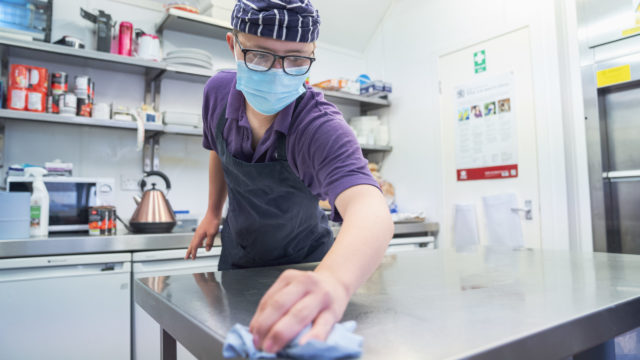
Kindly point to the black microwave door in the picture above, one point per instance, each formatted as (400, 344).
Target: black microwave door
(69, 203)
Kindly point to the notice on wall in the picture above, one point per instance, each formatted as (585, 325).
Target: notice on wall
(486, 129)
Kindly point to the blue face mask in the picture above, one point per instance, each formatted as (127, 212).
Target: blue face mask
(268, 91)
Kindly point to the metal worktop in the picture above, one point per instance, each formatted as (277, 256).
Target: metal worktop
(85, 244)
(493, 304)
(63, 245)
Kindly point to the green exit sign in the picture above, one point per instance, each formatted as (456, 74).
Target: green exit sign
(480, 61)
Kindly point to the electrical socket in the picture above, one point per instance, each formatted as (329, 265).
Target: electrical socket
(128, 183)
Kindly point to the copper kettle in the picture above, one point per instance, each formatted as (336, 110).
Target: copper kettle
(154, 213)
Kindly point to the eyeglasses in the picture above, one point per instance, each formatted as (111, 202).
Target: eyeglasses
(258, 60)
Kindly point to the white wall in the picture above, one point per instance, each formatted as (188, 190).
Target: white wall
(405, 51)
(111, 152)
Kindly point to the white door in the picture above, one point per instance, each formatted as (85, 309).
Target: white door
(504, 57)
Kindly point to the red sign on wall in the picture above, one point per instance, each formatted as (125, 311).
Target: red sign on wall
(493, 172)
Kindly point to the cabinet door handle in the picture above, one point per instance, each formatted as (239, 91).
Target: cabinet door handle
(528, 210)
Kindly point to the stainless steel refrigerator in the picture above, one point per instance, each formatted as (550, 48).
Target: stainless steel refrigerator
(610, 57)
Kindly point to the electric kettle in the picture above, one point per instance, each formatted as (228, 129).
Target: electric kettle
(154, 213)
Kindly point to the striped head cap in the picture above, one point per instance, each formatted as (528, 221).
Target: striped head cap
(290, 20)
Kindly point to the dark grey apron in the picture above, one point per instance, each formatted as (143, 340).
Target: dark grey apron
(273, 218)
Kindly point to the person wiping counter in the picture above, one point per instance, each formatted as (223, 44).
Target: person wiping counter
(276, 148)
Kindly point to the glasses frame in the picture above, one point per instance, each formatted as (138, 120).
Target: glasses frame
(275, 58)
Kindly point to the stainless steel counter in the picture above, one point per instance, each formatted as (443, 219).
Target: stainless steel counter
(85, 244)
(493, 304)
(63, 245)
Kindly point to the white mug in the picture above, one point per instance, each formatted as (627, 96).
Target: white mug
(149, 47)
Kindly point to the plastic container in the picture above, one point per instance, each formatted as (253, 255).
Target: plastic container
(366, 129)
(14, 215)
(185, 222)
(125, 38)
(39, 214)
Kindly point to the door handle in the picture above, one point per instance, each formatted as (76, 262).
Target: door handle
(528, 210)
(625, 175)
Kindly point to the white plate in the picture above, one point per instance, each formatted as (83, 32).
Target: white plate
(188, 61)
(191, 52)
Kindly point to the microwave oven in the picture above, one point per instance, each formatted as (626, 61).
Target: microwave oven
(69, 198)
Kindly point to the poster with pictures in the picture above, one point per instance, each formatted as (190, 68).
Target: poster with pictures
(486, 129)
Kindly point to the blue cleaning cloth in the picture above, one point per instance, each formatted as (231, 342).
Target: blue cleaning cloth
(341, 343)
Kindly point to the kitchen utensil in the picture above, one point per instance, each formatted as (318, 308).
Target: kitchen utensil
(70, 197)
(188, 61)
(191, 52)
(125, 38)
(104, 24)
(154, 213)
(149, 47)
(70, 41)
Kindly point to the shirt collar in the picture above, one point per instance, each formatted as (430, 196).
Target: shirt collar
(236, 111)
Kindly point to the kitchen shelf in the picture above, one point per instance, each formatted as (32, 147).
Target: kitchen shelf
(73, 120)
(78, 57)
(182, 130)
(100, 60)
(367, 103)
(186, 22)
(374, 148)
(81, 120)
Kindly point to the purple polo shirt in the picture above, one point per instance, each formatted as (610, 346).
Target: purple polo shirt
(321, 148)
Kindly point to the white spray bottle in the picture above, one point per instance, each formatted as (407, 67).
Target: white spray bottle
(39, 203)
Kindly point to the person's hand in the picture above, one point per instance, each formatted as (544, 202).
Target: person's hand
(207, 229)
(295, 300)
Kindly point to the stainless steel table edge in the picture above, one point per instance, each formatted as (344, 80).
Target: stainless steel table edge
(594, 328)
(179, 326)
(71, 245)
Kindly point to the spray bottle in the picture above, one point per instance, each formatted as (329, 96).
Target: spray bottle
(39, 202)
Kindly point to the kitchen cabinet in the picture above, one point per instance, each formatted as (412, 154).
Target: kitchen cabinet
(71, 307)
(75, 289)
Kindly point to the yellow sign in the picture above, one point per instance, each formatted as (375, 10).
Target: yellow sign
(614, 75)
(631, 31)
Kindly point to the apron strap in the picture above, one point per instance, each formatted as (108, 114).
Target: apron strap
(222, 122)
(281, 141)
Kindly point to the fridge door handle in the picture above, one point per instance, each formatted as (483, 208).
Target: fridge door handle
(624, 175)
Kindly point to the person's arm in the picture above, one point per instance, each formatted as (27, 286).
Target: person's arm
(298, 298)
(208, 228)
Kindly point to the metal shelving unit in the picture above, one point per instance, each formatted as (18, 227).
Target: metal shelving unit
(86, 121)
(153, 71)
(376, 148)
(366, 103)
(186, 22)
(78, 57)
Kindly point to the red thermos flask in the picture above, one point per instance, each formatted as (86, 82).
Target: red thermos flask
(125, 38)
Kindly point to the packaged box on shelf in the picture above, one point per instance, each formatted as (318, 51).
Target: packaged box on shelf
(377, 88)
(181, 118)
(28, 86)
(17, 98)
(36, 100)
